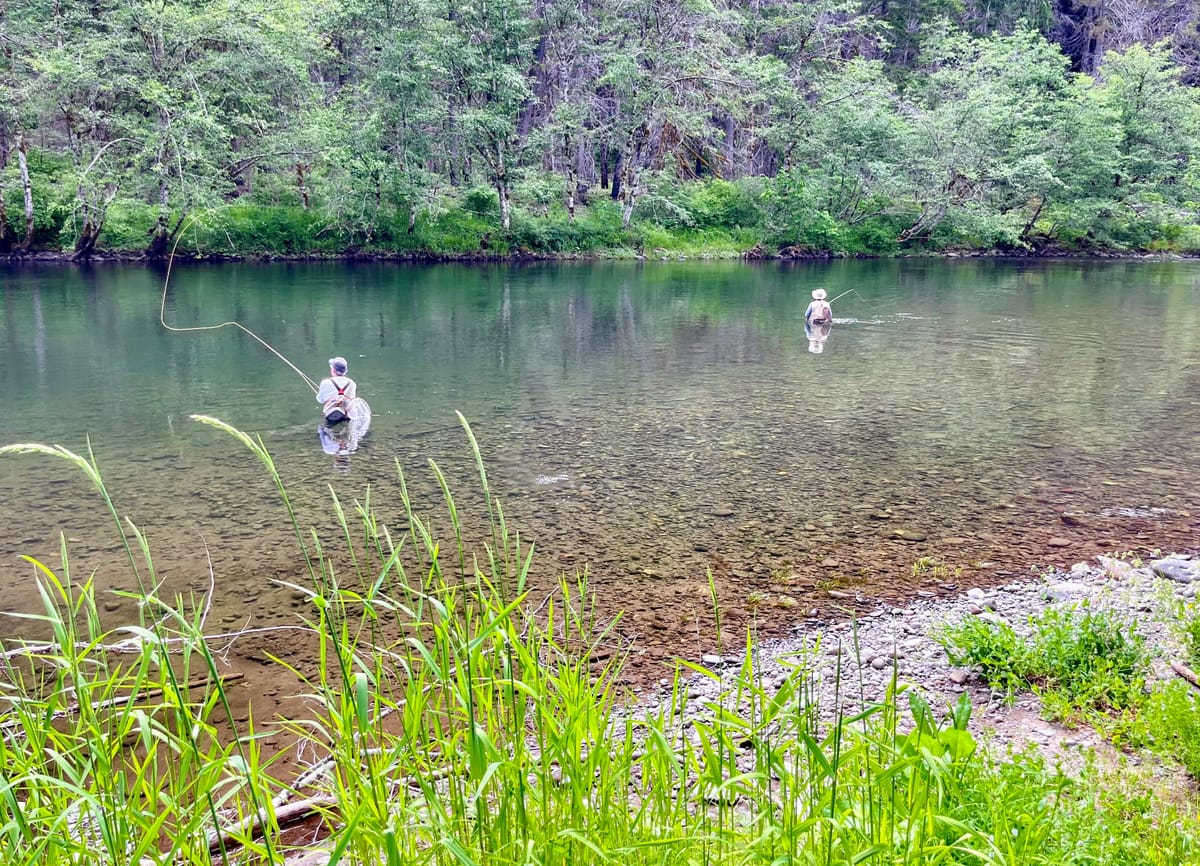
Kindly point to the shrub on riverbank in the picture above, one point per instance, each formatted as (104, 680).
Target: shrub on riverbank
(456, 719)
(1081, 662)
(697, 218)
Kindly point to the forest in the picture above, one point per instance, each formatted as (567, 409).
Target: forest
(598, 127)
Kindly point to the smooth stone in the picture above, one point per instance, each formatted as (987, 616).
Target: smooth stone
(910, 535)
(1063, 590)
(712, 660)
(1176, 569)
(958, 677)
(1058, 542)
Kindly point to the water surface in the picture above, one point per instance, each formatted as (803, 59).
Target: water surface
(648, 423)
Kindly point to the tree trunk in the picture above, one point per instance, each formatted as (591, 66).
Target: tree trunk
(27, 187)
(730, 151)
(159, 234)
(1037, 212)
(538, 95)
(629, 194)
(604, 166)
(300, 185)
(86, 242)
(6, 235)
(505, 207)
(629, 171)
(500, 172)
(616, 176)
(572, 178)
(160, 237)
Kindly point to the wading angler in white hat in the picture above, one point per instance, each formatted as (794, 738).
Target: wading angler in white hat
(819, 312)
(336, 392)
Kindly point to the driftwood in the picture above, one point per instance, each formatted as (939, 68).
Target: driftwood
(251, 827)
(112, 702)
(1186, 672)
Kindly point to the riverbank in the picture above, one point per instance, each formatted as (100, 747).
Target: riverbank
(752, 254)
(870, 651)
(879, 655)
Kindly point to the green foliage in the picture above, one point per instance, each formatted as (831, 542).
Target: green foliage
(721, 204)
(443, 685)
(826, 127)
(52, 196)
(992, 648)
(458, 232)
(481, 201)
(1079, 660)
(1186, 624)
(539, 191)
(874, 236)
(1170, 724)
(128, 225)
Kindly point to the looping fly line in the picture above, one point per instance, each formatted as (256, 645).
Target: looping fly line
(162, 318)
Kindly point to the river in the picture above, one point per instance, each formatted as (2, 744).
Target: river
(649, 424)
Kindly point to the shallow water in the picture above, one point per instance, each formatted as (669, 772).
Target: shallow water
(648, 423)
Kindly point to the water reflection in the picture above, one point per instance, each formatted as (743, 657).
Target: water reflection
(650, 425)
(817, 333)
(342, 439)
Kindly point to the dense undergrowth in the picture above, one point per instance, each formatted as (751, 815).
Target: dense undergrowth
(457, 719)
(712, 218)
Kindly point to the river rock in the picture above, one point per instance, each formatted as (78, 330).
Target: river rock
(1063, 590)
(1176, 568)
(910, 534)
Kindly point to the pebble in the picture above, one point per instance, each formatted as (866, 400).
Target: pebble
(882, 637)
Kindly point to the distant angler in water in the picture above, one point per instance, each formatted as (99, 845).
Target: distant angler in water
(818, 319)
(819, 312)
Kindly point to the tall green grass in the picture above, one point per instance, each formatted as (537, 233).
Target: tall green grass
(458, 716)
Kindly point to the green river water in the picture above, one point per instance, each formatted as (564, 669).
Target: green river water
(648, 423)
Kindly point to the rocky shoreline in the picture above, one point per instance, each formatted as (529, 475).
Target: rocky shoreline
(894, 642)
